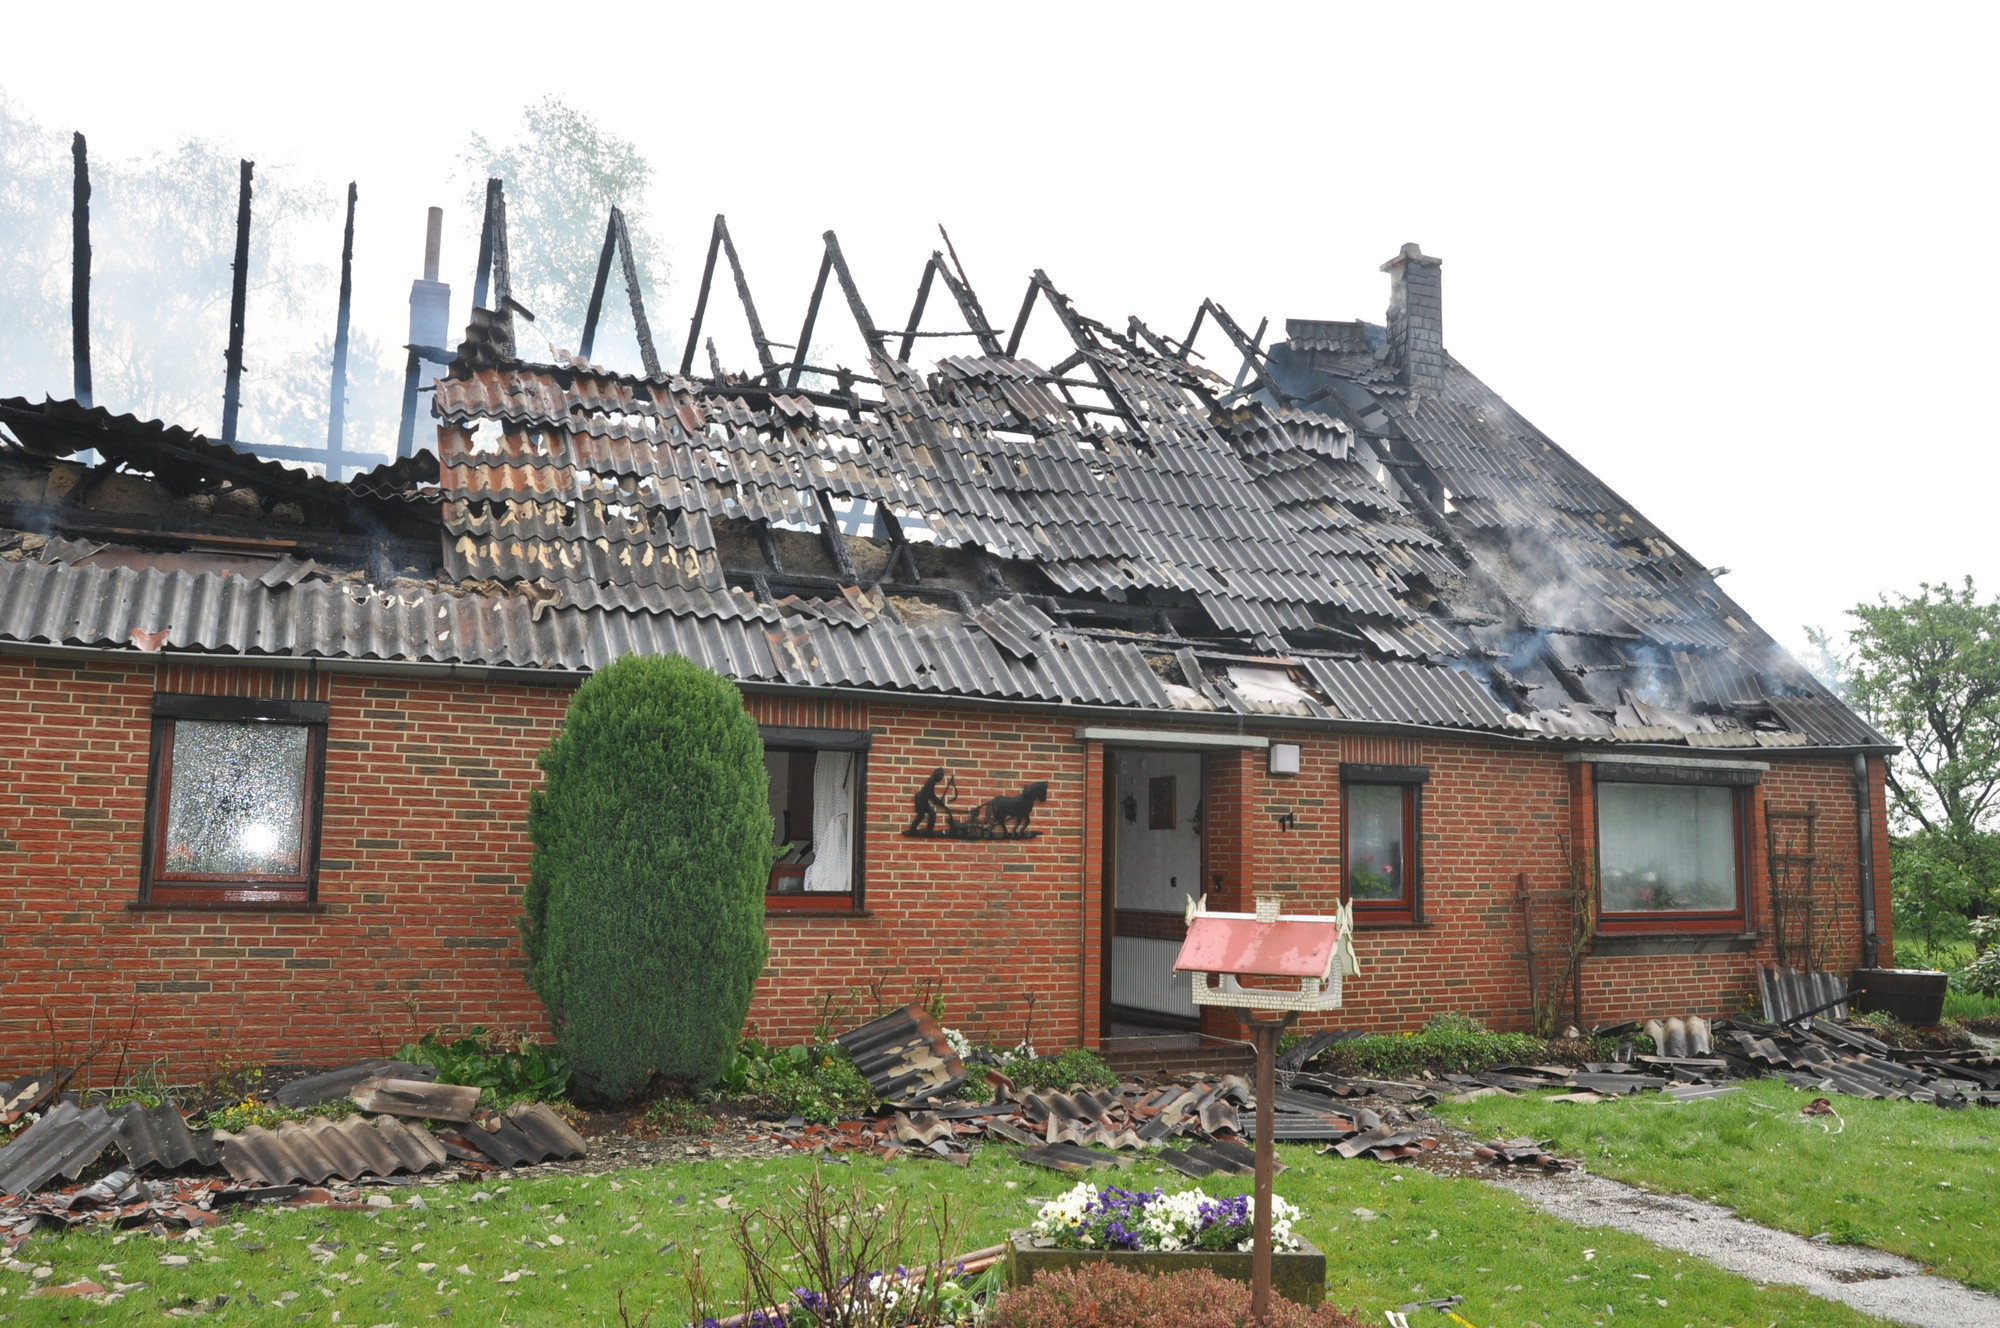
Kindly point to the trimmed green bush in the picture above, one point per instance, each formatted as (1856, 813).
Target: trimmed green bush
(645, 904)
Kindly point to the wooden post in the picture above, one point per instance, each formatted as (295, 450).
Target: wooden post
(597, 289)
(232, 383)
(877, 346)
(640, 328)
(485, 266)
(1264, 1035)
(917, 309)
(79, 282)
(336, 414)
(812, 317)
(701, 298)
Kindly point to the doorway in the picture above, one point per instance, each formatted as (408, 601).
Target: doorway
(1156, 807)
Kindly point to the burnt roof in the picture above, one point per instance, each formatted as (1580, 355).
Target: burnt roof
(1124, 529)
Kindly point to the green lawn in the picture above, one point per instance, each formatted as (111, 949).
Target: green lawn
(1431, 1236)
(1900, 1176)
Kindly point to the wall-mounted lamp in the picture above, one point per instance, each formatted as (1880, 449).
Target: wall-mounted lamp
(1131, 806)
(1284, 758)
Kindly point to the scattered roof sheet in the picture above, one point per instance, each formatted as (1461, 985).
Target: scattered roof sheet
(63, 1142)
(159, 1137)
(310, 1152)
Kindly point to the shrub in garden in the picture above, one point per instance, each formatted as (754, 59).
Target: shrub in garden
(1452, 1043)
(508, 1070)
(1101, 1296)
(644, 921)
(1062, 1072)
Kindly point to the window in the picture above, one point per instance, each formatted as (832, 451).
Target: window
(1382, 875)
(233, 806)
(817, 782)
(1670, 848)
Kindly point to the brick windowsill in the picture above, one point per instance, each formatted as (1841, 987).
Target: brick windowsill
(1609, 945)
(160, 906)
(816, 914)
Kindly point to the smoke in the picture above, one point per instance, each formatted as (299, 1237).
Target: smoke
(162, 239)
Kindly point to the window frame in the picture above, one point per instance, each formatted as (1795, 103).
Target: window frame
(157, 887)
(1411, 779)
(792, 738)
(1742, 784)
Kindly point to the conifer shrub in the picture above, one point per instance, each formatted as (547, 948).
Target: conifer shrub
(644, 924)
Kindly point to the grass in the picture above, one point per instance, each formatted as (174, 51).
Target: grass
(1900, 1176)
(1966, 1006)
(1431, 1236)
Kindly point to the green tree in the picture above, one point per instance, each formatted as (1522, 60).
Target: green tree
(1925, 670)
(563, 175)
(644, 921)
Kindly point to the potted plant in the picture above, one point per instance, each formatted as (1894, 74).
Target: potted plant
(1156, 1232)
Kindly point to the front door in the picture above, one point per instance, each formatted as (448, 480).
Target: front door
(1156, 809)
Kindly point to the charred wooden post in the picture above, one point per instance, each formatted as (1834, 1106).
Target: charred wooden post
(1194, 330)
(764, 358)
(484, 270)
(640, 327)
(239, 289)
(877, 344)
(961, 290)
(812, 317)
(917, 309)
(701, 299)
(1252, 357)
(618, 241)
(834, 539)
(1021, 319)
(79, 279)
(1077, 334)
(1256, 348)
(596, 305)
(336, 414)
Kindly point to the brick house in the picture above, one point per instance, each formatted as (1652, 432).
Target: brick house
(1040, 654)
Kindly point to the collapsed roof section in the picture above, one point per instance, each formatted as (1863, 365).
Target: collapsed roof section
(1362, 532)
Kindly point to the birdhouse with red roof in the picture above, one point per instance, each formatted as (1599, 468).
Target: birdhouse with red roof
(1262, 960)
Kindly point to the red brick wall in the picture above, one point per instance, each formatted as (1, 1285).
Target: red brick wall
(424, 855)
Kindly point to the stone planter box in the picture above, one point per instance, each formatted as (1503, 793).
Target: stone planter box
(1298, 1275)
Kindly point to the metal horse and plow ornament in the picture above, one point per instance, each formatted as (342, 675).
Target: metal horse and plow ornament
(1004, 817)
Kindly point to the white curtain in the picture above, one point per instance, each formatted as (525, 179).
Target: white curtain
(832, 869)
(1668, 848)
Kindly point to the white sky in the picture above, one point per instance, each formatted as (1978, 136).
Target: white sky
(1737, 259)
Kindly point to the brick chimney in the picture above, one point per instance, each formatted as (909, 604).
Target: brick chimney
(1416, 318)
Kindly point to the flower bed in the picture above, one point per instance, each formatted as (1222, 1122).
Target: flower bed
(1088, 1218)
(1156, 1232)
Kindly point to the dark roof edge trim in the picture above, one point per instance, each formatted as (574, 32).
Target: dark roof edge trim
(393, 668)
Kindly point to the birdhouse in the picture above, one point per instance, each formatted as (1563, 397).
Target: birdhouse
(1292, 962)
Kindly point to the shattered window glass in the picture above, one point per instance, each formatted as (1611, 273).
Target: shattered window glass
(1667, 848)
(237, 806)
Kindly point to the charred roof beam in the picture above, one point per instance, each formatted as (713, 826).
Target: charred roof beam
(1074, 324)
(878, 344)
(618, 238)
(968, 302)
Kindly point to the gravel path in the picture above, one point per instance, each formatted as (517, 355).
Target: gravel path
(1869, 1280)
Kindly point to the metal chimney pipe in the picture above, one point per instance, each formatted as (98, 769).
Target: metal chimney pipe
(433, 239)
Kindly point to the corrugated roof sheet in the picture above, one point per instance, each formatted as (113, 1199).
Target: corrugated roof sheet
(1461, 559)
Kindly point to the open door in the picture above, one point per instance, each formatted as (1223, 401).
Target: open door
(1156, 868)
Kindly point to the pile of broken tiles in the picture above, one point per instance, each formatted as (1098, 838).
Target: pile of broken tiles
(292, 1163)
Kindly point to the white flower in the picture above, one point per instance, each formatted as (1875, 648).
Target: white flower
(960, 1044)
